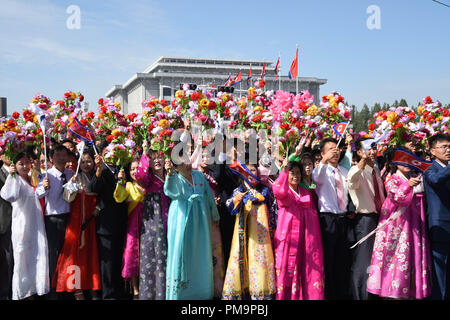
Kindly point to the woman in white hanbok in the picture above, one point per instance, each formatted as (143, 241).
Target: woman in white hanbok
(28, 237)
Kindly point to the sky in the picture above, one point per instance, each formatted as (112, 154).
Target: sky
(408, 56)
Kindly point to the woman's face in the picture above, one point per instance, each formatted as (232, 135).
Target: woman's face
(156, 162)
(403, 169)
(23, 166)
(307, 167)
(295, 176)
(133, 169)
(86, 164)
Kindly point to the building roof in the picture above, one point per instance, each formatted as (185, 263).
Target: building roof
(163, 67)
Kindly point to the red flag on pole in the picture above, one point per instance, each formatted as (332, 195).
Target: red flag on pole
(277, 68)
(293, 69)
(263, 72)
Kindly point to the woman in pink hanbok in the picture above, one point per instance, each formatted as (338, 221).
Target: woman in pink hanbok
(401, 266)
(298, 243)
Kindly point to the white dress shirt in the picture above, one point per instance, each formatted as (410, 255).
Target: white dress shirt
(361, 188)
(54, 200)
(323, 177)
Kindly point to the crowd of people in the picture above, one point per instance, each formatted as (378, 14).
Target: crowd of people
(156, 230)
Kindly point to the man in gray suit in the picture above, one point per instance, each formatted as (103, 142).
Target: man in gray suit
(6, 254)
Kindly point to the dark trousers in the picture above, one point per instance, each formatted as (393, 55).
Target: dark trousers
(440, 252)
(363, 224)
(110, 251)
(226, 225)
(6, 265)
(55, 228)
(336, 253)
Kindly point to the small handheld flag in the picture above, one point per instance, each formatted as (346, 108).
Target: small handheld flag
(404, 157)
(228, 82)
(78, 130)
(340, 128)
(236, 79)
(238, 168)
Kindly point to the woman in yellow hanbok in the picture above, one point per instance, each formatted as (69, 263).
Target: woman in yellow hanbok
(134, 195)
(251, 271)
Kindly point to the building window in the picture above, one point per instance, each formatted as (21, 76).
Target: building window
(167, 92)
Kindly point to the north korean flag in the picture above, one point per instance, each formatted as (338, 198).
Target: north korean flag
(405, 157)
(341, 128)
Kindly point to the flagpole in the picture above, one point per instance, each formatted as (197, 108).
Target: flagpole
(240, 84)
(296, 78)
(279, 72)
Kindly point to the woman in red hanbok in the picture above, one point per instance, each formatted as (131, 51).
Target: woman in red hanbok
(78, 265)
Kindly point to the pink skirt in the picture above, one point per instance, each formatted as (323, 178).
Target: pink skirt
(131, 253)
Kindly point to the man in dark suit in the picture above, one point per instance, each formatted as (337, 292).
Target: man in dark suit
(437, 188)
(111, 229)
(6, 253)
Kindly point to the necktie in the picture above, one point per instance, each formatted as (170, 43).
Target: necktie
(340, 190)
(378, 203)
(63, 178)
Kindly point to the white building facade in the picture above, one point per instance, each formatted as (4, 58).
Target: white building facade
(163, 78)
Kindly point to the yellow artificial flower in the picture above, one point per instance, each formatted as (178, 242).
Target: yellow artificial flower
(392, 117)
(439, 118)
(257, 108)
(420, 109)
(166, 109)
(73, 96)
(251, 91)
(117, 105)
(179, 94)
(225, 97)
(116, 132)
(242, 104)
(163, 123)
(333, 102)
(330, 96)
(204, 103)
(312, 110)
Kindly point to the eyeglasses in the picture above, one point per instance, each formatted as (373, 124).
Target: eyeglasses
(444, 147)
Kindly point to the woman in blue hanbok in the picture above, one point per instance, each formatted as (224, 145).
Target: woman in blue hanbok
(189, 274)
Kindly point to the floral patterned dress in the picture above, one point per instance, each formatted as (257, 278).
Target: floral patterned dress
(153, 234)
(401, 266)
(251, 269)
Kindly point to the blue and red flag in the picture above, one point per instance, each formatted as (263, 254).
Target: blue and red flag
(293, 70)
(78, 130)
(236, 79)
(228, 82)
(277, 68)
(340, 128)
(249, 77)
(237, 167)
(406, 158)
(263, 72)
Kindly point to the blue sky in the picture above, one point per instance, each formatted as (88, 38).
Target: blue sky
(407, 58)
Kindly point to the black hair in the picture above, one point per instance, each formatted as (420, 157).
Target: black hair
(294, 164)
(325, 141)
(43, 153)
(31, 152)
(388, 157)
(19, 156)
(358, 146)
(307, 155)
(102, 145)
(437, 138)
(68, 140)
(58, 147)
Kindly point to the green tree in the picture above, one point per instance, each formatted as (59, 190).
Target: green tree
(403, 103)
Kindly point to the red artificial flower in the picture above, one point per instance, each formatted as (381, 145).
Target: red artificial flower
(81, 98)
(91, 115)
(11, 123)
(431, 119)
(227, 112)
(446, 113)
(164, 103)
(16, 115)
(67, 95)
(212, 105)
(428, 100)
(103, 109)
(173, 103)
(347, 114)
(334, 111)
(83, 122)
(398, 125)
(372, 126)
(110, 138)
(165, 132)
(411, 115)
(285, 126)
(195, 96)
(261, 83)
(257, 118)
(60, 103)
(324, 99)
(100, 101)
(299, 125)
(340, 99)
